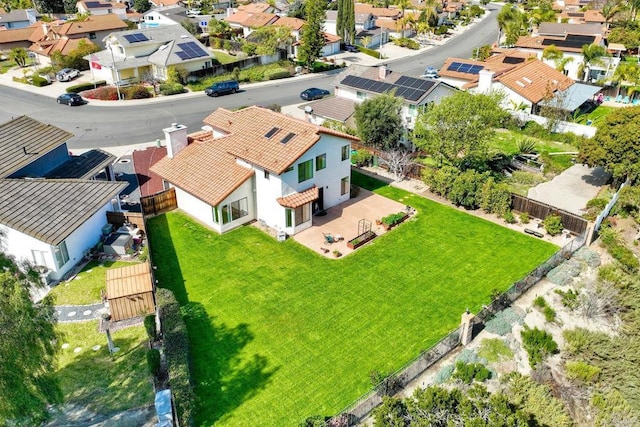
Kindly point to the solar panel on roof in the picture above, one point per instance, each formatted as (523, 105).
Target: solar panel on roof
(136, 37)
(366, 84)
(95, 4)
(475, 69)
(288, 138)
(191, 50)
(512, 60)
(182, 55)
(402, 80)
(272, 132)
(425, 85)
(376, 87)
(454, 66)
(414, 95)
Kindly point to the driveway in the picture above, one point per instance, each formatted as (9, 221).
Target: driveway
(572, 189)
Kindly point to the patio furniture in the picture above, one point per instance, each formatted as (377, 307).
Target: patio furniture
(625, 100)
(328, 238)
(619, 98)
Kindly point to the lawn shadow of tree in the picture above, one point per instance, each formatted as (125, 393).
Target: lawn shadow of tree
(222, 375)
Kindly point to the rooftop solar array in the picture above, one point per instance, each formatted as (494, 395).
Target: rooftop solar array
(461, 67)
(96, 4)
(513, 60)
(136, 37)
(409, 88)
(571, 41)
(191, 50)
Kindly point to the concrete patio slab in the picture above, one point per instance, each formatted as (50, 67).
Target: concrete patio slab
(342, 220)
(572, 189)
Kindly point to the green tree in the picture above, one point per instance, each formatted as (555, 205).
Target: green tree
(312, 40)
(141, 6)
(346, 21)
(19, 55)
(629, 36)
(269, 39)
(459, 127)
(483, 52)
(220, 29)
(190, 26)
(592, 54)
(552, 53)
(378, 121)
(296, 10)
(626, 74)
(616, 146)
(27, 348)
(512, 23)
(49, 6)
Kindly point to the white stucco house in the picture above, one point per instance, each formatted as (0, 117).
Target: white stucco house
(256, 164)
(132, 55)
(97, 8)
(54, 204)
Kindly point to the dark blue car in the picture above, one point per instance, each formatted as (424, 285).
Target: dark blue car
(313, 93)
(70, 99)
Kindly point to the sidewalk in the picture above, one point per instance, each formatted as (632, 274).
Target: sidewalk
(390, 53)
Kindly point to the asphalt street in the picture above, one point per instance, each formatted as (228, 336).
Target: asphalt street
(108, 126)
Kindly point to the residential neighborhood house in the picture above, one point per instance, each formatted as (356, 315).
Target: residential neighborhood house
(18, 18)
(53, 204)
(256, 164)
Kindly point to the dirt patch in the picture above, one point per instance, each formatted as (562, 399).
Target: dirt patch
(77, 416)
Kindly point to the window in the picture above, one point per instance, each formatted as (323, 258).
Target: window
(216, 217)
(344, 185)
(288, 217)
(305, 170)
(266, 174)
(361, 96)
(321, 162)
(235, 210)
(92, 36)
(413, 110)
(345, 152)
(60, 254)
(302, 214)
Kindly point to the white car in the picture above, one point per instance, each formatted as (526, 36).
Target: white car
(194, 12)
(430, 73)
(67, 74)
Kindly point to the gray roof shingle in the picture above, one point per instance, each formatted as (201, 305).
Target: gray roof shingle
(26, 135)
(50, 210)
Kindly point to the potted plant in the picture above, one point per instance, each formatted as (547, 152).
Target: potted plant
(336, 253)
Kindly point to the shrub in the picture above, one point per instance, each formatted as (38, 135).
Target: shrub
(408, 43)
(150, 326)
(278, 73)
(494, 198)
(469, 372)
(176, 343)
(106, 93)
(361, 157)
(443, 375)
(392, 219)
(39, 81)
(538, 344)
(524, 218)
(526, 178)
(509, 217)
(618, 250)
(553, 224)
(526, 146)
(582, 371)
(441, 30)
(136, 92)
(502, 323)
(494, 350)
(153, 361)
(167, 89)
(143, 255)
(549, 313)
(440, 180)
(84, 86)
(466, 187)
(569, 298)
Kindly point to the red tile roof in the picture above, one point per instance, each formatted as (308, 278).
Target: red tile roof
(294, 24)
(296, 200)
(16, 35)
(150, 182)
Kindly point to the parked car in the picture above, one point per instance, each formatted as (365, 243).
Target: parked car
(350, 48)
(70, 99)
(222, 88)
(194, 12)
(314, 93)
(430, 73)
(67, 74)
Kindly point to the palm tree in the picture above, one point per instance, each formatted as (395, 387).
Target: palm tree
(592, 54)
(626, 72)
(610, 9)
(366, 41)
(554, 54)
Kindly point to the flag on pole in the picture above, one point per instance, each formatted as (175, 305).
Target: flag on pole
(94, 62)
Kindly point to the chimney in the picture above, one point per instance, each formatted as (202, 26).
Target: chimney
(175, 139)
(485, 78)
(45, 28)
(383, 72)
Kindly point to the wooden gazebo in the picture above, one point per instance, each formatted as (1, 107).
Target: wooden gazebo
(130, 291)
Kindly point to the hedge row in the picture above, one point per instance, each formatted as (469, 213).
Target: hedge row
(171, 89)
(84, 86)
(176, 347)
(278, 73)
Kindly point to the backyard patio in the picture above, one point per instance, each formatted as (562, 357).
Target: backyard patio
(341, 223)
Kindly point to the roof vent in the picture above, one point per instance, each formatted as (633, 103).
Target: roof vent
(527, 80)
(272, 132)
(519, 83)
(288, 137)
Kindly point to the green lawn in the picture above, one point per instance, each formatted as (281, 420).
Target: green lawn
(86, 287)
(291, 334)
(506, 141)
(98, 381)
(597, 116)
(224, 58)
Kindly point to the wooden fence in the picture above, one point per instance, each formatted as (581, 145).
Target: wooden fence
(117, 219)
(540, 210)
(159, 203)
